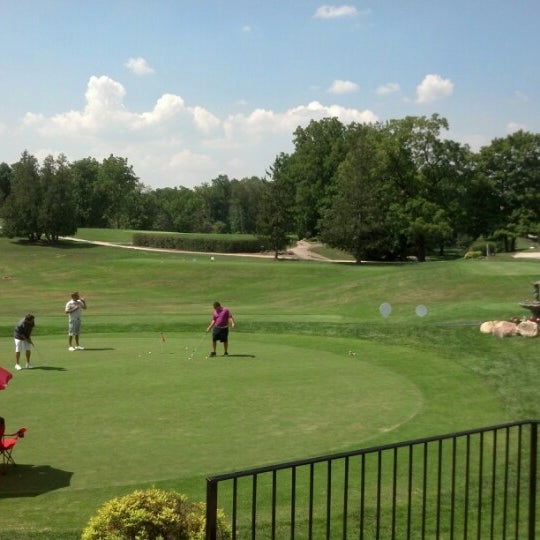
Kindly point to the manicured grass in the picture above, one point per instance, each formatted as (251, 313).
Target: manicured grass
(333, 254)
(117, 236)
(314, 369)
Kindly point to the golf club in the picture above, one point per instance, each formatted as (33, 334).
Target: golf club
(195, 349)
(37, 353)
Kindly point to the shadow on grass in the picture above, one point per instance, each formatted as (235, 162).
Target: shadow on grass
(233, 356)
(49, 368)
(60, 244)
(96, 349)
(32, 480)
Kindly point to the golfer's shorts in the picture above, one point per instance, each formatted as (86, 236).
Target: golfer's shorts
(220, 334)
(22, 345)
(74, 328)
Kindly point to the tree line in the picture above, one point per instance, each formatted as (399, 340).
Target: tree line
(380, 191)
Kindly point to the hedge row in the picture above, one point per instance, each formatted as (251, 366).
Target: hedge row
(199, 243)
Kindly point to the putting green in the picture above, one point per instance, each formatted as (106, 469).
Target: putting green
(134, 409)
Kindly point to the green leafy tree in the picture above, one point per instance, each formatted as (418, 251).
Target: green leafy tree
(89, 202)
(178, 209)
(480, 208)
(275, 218)
(319, 150)
(273, 221)
(135, 209)
(423, 224)
(444, 175)
(149, 210)
(511, 167)
(6, 175)
(399, 190)
(216, 197)
(208, 223)
(57, 209)
(413, 149)
(244, 204)
(356, 220)
(21, 207)
(117, 189)
(452, 177)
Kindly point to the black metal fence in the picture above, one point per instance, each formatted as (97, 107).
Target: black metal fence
(481, 483)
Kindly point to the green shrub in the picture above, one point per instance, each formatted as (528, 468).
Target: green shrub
(152, 514)
(485, 247)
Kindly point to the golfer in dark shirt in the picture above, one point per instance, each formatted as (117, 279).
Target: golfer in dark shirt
(23, 340)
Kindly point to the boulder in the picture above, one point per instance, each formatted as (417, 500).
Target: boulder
(527, 329)
(487, 327)
(504, 329)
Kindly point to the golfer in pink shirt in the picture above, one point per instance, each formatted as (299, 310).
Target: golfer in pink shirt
(220, 327)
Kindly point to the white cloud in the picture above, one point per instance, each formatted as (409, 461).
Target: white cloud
(342, 87)
(186, 159)
(246, 28)
(103, 100)
(388, 88)
(263, 121)
(433, 88)
(174, 143)
(334, 12)
(139, 66)
(167, 107)
(205, 121)
(512, 127)
(104, 106)
(105, 112)
(32, 119)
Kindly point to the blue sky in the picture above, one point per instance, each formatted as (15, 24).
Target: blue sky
(187, 90)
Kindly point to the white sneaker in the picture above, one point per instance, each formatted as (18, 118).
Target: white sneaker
(18, 367)
(29, 366)
(72, 349)
(79, 348)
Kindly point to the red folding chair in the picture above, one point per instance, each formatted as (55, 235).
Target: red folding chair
(7, 444)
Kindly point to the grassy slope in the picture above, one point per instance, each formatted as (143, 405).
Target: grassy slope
(295, 391)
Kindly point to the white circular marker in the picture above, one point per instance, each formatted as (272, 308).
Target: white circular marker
(385, 309)
(421, 310)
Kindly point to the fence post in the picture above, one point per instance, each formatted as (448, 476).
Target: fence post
(532, 479)
(211, 509)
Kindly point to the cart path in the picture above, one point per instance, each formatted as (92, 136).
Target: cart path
(302, 250)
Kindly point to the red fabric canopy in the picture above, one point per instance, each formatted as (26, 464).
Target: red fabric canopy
(5, 376)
